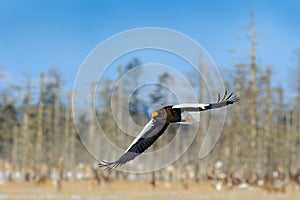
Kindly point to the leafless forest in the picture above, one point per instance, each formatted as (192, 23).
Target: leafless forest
(259, 144)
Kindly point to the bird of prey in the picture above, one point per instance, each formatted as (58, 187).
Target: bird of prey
(160, 121)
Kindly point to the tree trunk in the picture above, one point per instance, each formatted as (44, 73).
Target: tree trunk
(25, 128)
(253, 94)
(57, 136)
(40, 122)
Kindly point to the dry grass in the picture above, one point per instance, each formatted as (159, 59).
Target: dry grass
(135, 190)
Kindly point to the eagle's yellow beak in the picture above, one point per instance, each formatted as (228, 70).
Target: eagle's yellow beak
(154, 114)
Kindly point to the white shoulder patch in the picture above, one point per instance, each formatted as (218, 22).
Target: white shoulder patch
(190, 105)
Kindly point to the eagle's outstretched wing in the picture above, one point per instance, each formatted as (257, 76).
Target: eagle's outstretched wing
(196, 107)
(155, 128)
(148, 135)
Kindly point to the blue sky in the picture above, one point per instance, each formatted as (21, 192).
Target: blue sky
(38, 36)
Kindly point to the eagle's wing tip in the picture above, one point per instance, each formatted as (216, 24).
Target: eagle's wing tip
(108, 165)
(229, 98)
(235, 98)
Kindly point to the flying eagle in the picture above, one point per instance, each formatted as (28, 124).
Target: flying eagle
(158, 124)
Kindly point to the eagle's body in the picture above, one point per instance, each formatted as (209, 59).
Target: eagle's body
(159, 123)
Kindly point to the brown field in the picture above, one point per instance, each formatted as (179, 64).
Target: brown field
(78, 190)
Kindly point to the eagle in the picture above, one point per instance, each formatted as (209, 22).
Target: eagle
(159, 123)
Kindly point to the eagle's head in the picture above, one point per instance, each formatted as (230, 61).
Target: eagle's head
(167, 114)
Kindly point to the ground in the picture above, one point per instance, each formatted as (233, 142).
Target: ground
(132, 190)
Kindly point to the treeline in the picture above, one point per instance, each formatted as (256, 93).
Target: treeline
(36, 124)
(37, 127)
(261, 132)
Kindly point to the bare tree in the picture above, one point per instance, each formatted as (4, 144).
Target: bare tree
(253, 94)
(40, 140)
(25, 126)
(57, 115)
